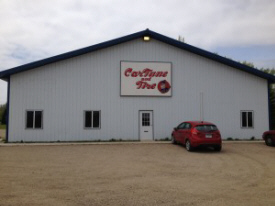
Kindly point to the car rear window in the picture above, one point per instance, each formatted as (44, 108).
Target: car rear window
(206, 128)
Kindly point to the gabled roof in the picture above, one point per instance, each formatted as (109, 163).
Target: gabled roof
(5, 74)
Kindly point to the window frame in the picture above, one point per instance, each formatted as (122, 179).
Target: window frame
(241, 119)
(33, 123)
(92, 115)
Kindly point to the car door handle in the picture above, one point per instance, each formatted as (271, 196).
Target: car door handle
(145, 131)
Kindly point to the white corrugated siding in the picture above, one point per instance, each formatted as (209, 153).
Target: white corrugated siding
(65, 89)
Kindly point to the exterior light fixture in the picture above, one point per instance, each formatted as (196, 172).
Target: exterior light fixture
(146, 38)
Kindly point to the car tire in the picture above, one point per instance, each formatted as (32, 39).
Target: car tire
(173, 140)
(218, 148)
(188, 146)
(268, 140)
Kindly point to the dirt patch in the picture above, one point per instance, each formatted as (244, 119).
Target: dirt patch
(137, 174)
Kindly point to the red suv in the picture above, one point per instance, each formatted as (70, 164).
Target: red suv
(197, 133)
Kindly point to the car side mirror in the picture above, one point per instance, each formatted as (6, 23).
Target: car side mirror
(175, 128)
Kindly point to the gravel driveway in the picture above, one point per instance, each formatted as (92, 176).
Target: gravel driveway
(137, 174)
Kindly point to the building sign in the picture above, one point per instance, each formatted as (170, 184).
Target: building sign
(145, 78)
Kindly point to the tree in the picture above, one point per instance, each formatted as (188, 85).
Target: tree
(269, 71)
(250, 64)
(3, 113)
(181, 38)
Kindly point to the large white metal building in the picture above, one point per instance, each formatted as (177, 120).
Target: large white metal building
(136, 87)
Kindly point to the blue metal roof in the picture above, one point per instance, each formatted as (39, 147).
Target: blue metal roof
(5, 74)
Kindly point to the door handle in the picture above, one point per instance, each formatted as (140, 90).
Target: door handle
(145, 131)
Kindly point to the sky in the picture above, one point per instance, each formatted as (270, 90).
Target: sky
(30, 30)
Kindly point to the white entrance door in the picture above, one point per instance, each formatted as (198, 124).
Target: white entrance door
(146, 125)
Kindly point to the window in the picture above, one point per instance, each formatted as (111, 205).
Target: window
(184, 126)
(34, 119)
(145, 119)
(247, 119)
(181, 126)
(92, 119)
(206, 128)
(187, 126)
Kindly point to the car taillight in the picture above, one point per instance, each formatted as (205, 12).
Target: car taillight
(195, 131)
(218, 133)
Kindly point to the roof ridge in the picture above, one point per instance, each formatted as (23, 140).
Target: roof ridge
(32, 65)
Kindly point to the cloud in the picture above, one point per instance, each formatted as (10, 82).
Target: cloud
(31, 30)
(56, 26)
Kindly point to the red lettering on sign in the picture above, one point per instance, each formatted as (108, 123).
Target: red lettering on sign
(159, 74)
(145, 73)
(128, 72)
(145, 85)
(134, 74)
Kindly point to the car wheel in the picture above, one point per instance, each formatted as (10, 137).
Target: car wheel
(218, 148)
(268, 140)
(173, 140)
(188, 146)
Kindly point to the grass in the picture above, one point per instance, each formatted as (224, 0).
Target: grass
(2, 126)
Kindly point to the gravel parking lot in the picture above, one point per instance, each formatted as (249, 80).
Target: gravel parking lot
(137, 174)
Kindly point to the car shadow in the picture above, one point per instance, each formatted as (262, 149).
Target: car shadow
(207, 150)
(203, 150)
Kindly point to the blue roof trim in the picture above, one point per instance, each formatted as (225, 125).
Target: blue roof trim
(5, 74)
(212, 56)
